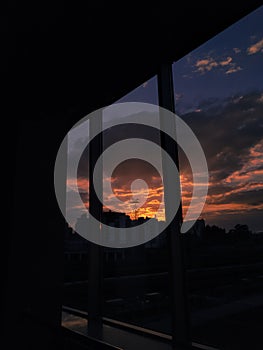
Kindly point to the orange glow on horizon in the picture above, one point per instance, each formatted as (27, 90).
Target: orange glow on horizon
(231, 195)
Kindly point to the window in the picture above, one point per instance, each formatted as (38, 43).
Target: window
(218, 92)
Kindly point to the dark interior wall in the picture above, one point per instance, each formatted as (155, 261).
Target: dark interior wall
(81, 57)
(33, 294)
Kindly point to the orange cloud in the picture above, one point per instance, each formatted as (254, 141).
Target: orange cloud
(206, 65)
(229, 208)
(226, 62)
(203, 62)
(150, 199)
(255, 48)
(81, 184)
(251, 171)
(233, 70)
(242, 182)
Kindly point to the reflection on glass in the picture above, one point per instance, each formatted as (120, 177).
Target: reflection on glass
(219, 93)
(136, 288)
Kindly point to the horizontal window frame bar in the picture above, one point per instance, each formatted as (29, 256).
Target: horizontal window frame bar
(135, 329)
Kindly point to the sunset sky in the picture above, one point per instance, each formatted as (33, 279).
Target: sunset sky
(219, 94)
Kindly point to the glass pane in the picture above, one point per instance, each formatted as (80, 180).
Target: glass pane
(136, 288)
(219, 94)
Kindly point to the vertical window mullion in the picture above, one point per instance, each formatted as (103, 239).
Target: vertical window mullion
(95, 274)
(180, 315)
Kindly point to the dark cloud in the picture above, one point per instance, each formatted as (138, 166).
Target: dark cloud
(227, 133)
(231, 134)
(250, 198)
(252, 218)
